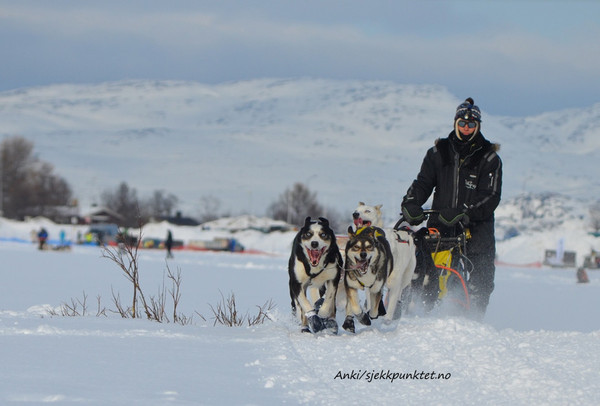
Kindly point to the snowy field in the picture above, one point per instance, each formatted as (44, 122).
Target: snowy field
(539, 343)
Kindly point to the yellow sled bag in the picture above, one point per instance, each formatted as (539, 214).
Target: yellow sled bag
(443, 259)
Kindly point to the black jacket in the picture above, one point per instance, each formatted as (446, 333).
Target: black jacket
(461, 175)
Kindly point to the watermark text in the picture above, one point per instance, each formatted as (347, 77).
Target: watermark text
(387, 375)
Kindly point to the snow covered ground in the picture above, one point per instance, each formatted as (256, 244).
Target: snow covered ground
(538, 344)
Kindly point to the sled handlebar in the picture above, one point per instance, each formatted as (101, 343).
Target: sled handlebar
(435, 240)
(427, 213)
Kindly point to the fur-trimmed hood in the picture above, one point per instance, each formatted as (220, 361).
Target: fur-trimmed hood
(475, 149)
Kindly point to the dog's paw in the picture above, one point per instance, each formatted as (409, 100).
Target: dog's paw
(364, 319)
(331, 326)
(349, 324)
(315, 323)
(305, 329)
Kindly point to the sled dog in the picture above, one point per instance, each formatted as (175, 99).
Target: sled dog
(424, 277)
(315, 265)
(365, 215)
(376, 258)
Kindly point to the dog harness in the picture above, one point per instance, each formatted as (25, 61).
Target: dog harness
(359, 282)
(400, 240)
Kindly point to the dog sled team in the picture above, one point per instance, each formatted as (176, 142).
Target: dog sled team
(323, 277)
(394, 267)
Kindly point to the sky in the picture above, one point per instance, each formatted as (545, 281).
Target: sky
(514, 58)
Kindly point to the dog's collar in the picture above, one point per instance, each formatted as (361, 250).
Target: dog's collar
(318, 273)
(356, 276)
(322, 269)
(365, 286)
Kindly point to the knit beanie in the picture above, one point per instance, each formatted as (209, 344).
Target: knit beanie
(467, 110)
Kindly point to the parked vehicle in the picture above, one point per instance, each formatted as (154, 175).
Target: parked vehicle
(217, 244)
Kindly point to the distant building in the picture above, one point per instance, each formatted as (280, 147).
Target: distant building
(57, 214)
(180, 220)
(103, 215)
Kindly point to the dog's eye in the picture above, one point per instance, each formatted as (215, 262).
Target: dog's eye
(355, 248)
(369, 247)
(324, 236)
(367, 211)
(308, 235)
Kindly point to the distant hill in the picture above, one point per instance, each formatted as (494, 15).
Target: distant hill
(246, 142)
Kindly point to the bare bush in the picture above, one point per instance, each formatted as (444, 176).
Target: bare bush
(226, 313)
(155, 307)
(77, 307)
(175, 293)
(126, 257)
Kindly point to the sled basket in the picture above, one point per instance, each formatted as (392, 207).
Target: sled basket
(447, 254)
(443, 261)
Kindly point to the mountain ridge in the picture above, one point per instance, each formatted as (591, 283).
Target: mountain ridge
(246, 142)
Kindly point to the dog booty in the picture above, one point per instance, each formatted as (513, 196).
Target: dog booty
(315, 323)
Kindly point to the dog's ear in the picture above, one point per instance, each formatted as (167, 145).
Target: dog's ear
(324, 221)
(361, 204)
(378, 207)
(351, 232)
(368, 231)
(307, 221)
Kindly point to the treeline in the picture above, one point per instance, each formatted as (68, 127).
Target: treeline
(30, 187)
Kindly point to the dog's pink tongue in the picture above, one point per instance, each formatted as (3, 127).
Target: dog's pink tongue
(315, 256)
(362, 265)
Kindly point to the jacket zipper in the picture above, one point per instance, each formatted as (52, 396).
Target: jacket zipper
(457, 174)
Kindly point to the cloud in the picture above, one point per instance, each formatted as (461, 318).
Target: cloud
(454, 44)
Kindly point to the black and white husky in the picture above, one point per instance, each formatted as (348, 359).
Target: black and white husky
(315, 265)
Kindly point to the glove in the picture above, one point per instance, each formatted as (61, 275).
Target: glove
(450, 217)
(413, 213)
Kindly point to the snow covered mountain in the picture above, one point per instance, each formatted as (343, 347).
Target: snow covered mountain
(542, 212)
(246, 142)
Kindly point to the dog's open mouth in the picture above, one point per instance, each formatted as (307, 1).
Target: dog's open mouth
(315, 255)
(360, 223)
(361, 265)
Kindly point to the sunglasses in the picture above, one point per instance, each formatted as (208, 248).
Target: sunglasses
(470, 124)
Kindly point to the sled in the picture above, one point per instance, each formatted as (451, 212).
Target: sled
(449, 257)
(449, 254)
